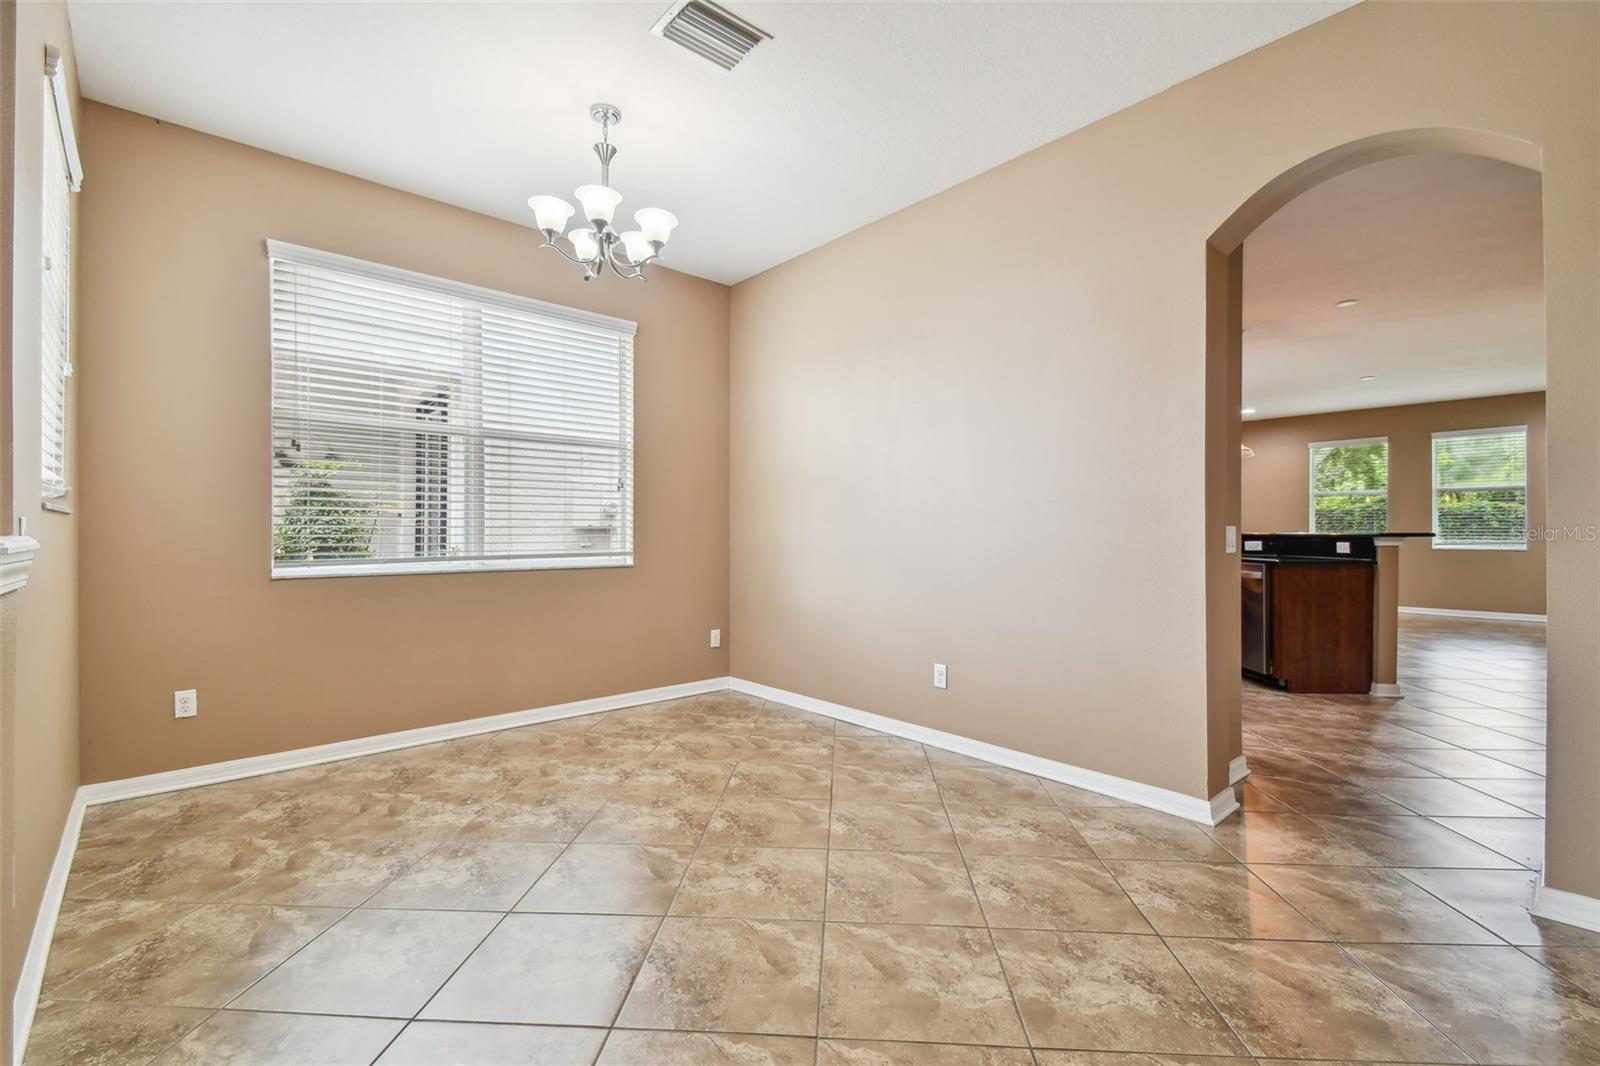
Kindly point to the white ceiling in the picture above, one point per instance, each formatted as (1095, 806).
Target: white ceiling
(851, 112)
(1444, 253)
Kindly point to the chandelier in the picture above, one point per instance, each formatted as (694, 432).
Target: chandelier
(599, 245)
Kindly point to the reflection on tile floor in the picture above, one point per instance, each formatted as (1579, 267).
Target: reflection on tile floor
(722, 880)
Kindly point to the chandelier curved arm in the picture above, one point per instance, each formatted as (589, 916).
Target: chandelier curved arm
(568, 256)
(610, 256)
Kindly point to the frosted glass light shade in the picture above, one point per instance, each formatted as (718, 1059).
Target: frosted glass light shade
(599, 203)
(655, 223)
(584, 246)
(634, 243)
(550, 212)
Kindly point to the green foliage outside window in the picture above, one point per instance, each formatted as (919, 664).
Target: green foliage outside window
(318, 520)
(1480, 488)
(1349, 487)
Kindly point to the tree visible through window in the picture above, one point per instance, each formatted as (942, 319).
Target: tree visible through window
(1480, 488)
(1350, 486)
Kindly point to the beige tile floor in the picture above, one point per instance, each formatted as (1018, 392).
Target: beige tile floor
(722, 880)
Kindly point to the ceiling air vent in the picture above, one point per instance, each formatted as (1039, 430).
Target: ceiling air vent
(709, 32)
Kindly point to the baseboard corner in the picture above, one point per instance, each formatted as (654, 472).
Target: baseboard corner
(1568, 908)
(30, 980)
(1238, 770)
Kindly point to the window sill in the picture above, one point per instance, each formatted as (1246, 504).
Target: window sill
(445, 566)
(1481, 547)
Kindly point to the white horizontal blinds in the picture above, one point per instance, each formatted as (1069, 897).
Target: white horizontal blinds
(55, 297)
(422, 425)
(1480, 488)
(1350, 486)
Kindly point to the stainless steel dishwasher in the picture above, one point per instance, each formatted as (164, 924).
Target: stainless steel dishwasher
(1256, 620)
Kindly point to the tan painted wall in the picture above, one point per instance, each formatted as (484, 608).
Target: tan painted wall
(43, 760)
(175, 472)
(1277, 492)
(993, 454)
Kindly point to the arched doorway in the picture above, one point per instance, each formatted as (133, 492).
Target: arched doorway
(1570, 798)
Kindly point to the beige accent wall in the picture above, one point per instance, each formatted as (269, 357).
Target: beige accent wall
(975, 432)
(175, 466)
(41, 756)
(1277, 491)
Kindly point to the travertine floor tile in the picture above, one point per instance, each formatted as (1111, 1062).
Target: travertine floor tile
(769, 821)
(480, 1044)
(1498, 900)
(781, 883)
(1495, 1002)
(1110, 992)
(994, 829)
(468, 877)
(790, 780)
(650, 820)
(959, 784)
(203, 959)
(1046, 1057)
(281, 1040)
(551, 818)
(1298, 1000)
(1581, 966)
(1356, 904)
(1518, 839)
(1210, 899)
(329, 873)
(891, 1053)
(920, 888)
(1035, 892)
(375, 963)
(1136, 833)
(197, 870)
(90, 931)
(728, 975)
(104, 1034)
(610, 879)
(942, 985)
(1413, 841)
(1286, 838)
(548, 969)
(635, 1047)
(886, 825)
(194, 812)
(1439, 796)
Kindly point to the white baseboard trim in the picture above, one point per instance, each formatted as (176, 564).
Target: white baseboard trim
(29, 982)
(1497, 616)
(1206, 812)
(1385, 690)
(255, 766)
(1569, 908)
(1238, 770)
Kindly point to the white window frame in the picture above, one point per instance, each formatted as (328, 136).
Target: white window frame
(61, 173)
(1311, 477)
(282, 250)
(1433, 487)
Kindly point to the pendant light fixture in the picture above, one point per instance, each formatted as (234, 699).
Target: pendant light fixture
(598, 245)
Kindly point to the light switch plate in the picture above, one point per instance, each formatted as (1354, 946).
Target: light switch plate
(1231, 536)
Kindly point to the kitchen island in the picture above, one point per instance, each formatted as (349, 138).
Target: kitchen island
(1320, 611)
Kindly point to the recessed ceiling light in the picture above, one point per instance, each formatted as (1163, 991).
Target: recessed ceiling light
(1369, 377)
(1247, 410)
(1346, 303)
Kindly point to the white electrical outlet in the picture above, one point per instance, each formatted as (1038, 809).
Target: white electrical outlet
(940, 679)
(716, 638)
(185, 703)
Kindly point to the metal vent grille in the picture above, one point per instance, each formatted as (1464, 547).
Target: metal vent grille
(710, 32)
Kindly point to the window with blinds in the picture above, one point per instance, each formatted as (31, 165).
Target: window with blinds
(424, 425)
(1350, 486)
(1480, 488)
(55, 306)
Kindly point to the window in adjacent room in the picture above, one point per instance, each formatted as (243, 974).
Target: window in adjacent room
(423, 425)
(1350, 486)
(1480, 488)
(60, 178)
